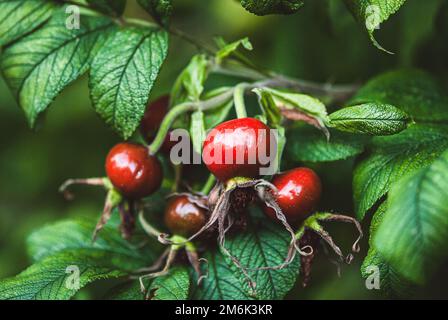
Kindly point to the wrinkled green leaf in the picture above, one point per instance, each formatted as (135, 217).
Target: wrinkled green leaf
(264, 7)
(391, 157)
(392, 284)
(38, 67)
(77, 234)
(126, 291)
(308, 144)
(414, 230)
(112, 7)
(377, 119)
(173, 286)
(264, 244)
(123, 73)
(160, 10)
(371, 13)
(49, 279)
(18, 17)
(66, 244)
(190, 83)
(221, 282)
(412, 91)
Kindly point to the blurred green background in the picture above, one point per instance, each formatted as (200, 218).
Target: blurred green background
(321, 43)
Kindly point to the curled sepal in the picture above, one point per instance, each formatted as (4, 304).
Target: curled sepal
(195, 262)
(167, 259)
(267, 197)
(313, 223)
(64, 188)
(113, 199)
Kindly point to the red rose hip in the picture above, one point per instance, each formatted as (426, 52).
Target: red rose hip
(183, 217)
(299, 191)
(133, 171)
(235, 149)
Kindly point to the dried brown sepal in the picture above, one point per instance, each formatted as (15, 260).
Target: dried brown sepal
(169, 259)
(297, 115)
(306, 262)
(338, 217)
(64, 188)
(127, 218)
(105, 216)
(195, 263)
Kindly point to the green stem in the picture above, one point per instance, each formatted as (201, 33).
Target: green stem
(148, 228)
(182, 108)
(238, 98)
(209, 184)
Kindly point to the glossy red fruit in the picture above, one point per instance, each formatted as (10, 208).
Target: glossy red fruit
(153, 117)
(245, 141)
(183, 217)
(299, 191)
(132, 171)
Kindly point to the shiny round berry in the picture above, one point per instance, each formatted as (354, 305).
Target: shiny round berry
(183, 217)
(133, 171)
(299, 191)
(237, 148)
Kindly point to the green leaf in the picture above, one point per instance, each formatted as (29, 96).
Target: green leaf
(227, 49)
(190, 83)
(126, 291)
(392, 284)
(18, 17)
(269, 106)
(309, 105)
(308, 144)
(68, 243)
(414, 230)
(412, 91)
(111, 7)
(391, 157)
(160, 10)
(371, 13)
(197, 130)
(51, 279)
(293, 106)
(264, 244)
(173, 286)
(38, 67)
(377, 119)
(77, 234)
(264, 7)
(123, 73)
(221, 282)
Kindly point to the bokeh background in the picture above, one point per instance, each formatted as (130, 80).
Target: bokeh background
(321, 43)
